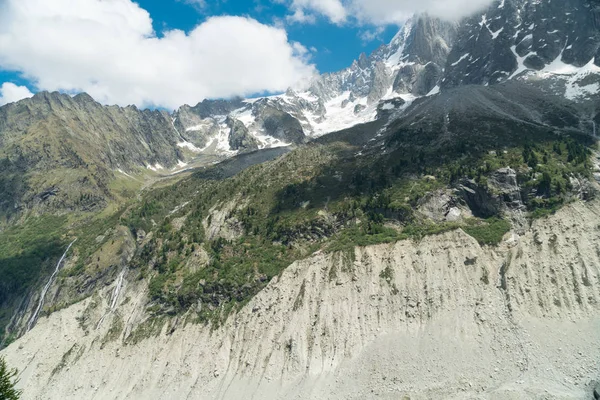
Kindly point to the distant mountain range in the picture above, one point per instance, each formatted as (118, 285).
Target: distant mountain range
(552, 45)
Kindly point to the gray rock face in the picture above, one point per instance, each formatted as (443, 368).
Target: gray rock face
(239, 137)
(505, 182)
(427, 79)
(281, 125)
(442, 206)
(430, 40)
(481, 202)
(491, 46)
(193, 128)
(423, 41)
(405, 79)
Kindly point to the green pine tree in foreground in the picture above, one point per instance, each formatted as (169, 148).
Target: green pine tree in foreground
(7, 382)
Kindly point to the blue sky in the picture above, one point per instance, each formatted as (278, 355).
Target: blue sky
(165, 53)
(51, 45)
(337, 45)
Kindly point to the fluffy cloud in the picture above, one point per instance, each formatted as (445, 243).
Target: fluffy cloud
(382, 12)
(9, 93)
(108, 48)
(332, 9)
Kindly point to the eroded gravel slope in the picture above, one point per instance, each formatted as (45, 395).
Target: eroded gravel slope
(442, 318)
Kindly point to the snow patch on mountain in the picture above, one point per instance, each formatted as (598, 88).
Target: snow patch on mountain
(156, 167)
(189, 146)
(342, 114)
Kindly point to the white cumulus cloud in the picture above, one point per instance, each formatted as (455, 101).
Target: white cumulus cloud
(383, 12)
(108, 48)
(9, 93)
(332, 9)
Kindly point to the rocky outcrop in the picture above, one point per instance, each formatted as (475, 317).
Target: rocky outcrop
(444, 206)
(428, 79)
(239, 136)
(193, 128)
(481, 201)
(505, 183)
(281, 125)
(517, 321)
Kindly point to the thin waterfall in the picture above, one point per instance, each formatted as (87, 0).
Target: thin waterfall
(115, 297)
(46, 288)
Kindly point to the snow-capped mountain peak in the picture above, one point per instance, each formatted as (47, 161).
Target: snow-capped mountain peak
(512, 39)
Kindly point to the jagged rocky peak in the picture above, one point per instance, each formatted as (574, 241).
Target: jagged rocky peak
(514, 36)
(410, 65)
(426, 39)
(239, 136)
(398, 67)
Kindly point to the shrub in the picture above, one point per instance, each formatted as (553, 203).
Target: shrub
(489, 232)
(7, 382)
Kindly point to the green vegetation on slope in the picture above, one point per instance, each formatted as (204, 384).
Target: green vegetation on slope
(207, 243)
(322, 196)
(489, 232)
(27, 252)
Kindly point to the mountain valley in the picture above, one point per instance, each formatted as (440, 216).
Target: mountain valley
(423, 224)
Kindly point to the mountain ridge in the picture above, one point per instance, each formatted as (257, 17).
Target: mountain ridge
(430, 205)
(425, 57)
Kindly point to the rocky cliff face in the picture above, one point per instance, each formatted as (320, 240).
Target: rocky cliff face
(517, 321)
(517, 35)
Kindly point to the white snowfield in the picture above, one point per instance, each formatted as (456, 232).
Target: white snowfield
(439, 319)
(573, 76)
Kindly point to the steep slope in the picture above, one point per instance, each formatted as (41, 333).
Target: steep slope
(447, 220)
(62, 153)
(519, 321)
(218, 236)
(543, 39)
